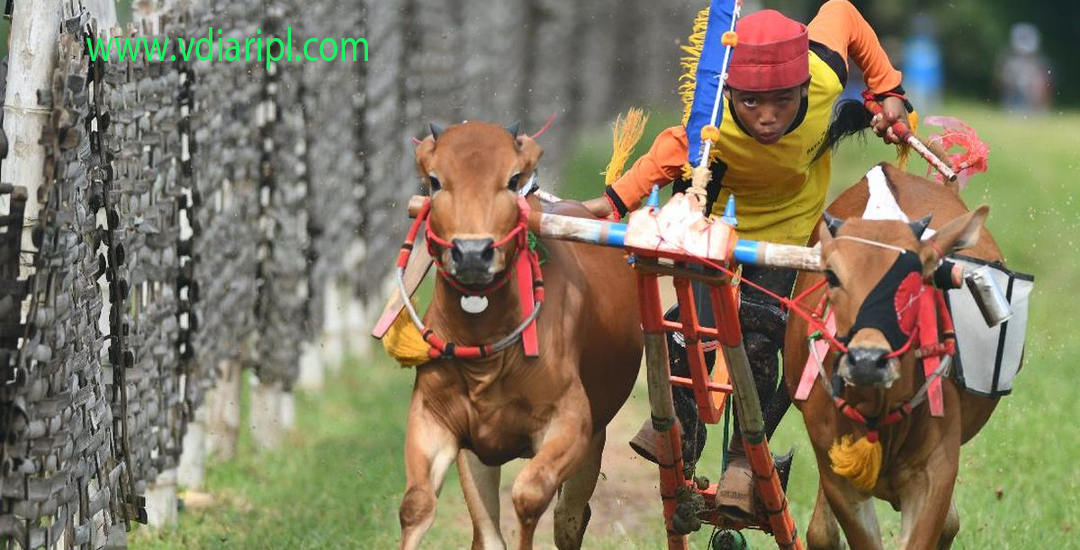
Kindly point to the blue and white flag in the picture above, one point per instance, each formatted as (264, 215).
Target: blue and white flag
(711, 65)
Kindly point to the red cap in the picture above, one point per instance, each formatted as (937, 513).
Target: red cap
(772, 53)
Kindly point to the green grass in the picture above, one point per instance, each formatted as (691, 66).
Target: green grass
(338, 481)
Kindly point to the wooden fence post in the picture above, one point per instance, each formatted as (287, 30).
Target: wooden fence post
(223, 422)
(161, 501)
(265, 418)
(312, 375)
(357, 331)
(34, 38)
(191, 472)
(333, 340)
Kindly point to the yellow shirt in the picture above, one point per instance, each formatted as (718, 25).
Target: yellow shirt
(780, 188)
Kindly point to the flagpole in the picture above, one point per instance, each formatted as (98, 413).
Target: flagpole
(701, 174)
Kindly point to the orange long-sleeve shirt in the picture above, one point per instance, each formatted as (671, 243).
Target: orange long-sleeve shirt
(779, 190)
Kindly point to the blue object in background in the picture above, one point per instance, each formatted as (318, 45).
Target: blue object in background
(924, 75)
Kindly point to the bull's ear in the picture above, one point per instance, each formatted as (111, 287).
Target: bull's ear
(825, 235)
(961, 233)
(424, 152)
(530, 152)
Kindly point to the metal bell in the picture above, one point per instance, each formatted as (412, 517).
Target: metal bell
(994, 307)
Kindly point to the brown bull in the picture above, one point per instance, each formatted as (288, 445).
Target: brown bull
(920, 454)
(485, 412)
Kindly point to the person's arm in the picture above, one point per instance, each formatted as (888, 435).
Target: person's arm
(841, 28)
(660, 166)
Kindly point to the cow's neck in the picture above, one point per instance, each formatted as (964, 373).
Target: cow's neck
(454, 324)
(876, 402)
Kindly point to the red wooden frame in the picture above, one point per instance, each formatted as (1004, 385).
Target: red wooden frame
(711, 395)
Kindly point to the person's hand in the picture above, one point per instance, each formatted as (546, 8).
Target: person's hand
(892, 111)
(601, 207)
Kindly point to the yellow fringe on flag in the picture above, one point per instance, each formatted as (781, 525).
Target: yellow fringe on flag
(860, 461)
(903, 150)
(688, 80)
(626, 132)
(404, 343)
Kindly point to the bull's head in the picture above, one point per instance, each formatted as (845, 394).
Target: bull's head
(874, 271)
(473, 172)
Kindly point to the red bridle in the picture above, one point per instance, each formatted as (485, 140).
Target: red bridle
(932, 350)
(519, 234)
(525, 260)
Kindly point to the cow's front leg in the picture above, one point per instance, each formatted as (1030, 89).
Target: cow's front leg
(430, 449)
(480, 484)
(572, 511)
(926, 500)
(823, 532)
(561, 451)
(952, 527)
(852, 509)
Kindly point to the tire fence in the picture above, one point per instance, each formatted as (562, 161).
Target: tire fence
(198, 217)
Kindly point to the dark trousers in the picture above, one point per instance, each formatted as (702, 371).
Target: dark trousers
(763, 325)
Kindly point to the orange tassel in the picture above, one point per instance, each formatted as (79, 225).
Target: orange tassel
(404, 342)
(860, 461)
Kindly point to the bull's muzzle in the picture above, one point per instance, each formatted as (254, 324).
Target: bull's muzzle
(472, 261)
(869, 367)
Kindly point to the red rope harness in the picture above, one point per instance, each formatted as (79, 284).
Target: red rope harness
(931, 350)
(546, 126)
(530, 261)
(518, 233)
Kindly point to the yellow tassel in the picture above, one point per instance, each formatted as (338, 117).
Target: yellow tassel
(860, 461)
(688, 80)
(903, 150)
(688, 171)
(626, 132)
(404, 343)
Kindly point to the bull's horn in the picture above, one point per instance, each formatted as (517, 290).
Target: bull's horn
(832, 223)
(436, 130)
(918, 227)
(514, 128)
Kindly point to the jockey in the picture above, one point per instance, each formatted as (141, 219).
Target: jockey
(775, 155)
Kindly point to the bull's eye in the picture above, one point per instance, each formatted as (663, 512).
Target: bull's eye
(435, 184)
(515, 180)
(831, 278)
